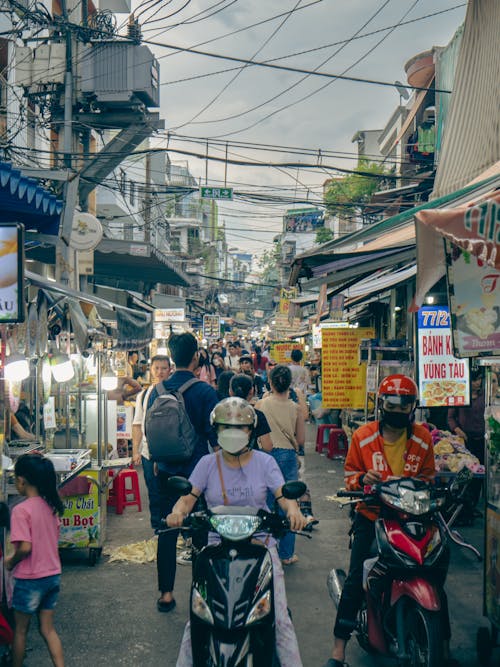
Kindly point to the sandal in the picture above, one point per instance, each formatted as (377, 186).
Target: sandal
(290, 561)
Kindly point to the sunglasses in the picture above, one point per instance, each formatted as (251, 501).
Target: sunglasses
(271, 365)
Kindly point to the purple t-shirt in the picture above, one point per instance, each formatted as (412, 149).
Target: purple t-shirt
(33, 521)
(246, 486)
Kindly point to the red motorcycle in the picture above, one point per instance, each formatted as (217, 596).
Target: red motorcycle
(401, 616)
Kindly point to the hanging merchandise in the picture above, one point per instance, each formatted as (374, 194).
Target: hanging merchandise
(32, 330)
(42, 334)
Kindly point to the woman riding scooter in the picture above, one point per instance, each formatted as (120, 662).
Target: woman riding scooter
(394, 446)
(240, 475)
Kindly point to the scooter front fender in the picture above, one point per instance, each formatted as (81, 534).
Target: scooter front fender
(422, 591)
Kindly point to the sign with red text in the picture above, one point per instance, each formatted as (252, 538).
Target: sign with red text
(443, 379)
(343, 376)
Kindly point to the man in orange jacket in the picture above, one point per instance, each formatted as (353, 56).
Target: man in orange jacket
(394, 446)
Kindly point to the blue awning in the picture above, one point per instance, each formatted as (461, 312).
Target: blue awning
(22, 199)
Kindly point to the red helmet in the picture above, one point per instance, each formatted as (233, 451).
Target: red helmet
(399, 389)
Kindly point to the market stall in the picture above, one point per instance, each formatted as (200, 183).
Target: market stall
(62, 365)
(472, 253)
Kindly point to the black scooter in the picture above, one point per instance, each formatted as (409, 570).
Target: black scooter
(232, 605)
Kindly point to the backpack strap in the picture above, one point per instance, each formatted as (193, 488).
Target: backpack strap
(221, 478)
(188, 384)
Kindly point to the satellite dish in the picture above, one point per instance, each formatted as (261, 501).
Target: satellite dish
(86, 231)
(402, 90)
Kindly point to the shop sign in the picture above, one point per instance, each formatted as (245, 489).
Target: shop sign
(80, 523)
(343, 377)
(286, 294)
(442, 378)
(211, 326)
(169, 315)
(86, 231)
(474, 291)
(281, 352)
(11, 273)
(337, 307)
(316, 336)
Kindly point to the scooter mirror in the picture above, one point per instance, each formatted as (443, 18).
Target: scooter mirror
(179, 485)
(293, 490)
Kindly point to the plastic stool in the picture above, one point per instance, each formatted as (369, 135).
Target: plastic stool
(320, 436)
(121, 490)
(337, 444)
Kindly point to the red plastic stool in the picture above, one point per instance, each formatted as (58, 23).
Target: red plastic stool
(337, 444)
(320, 436)
(121, 490)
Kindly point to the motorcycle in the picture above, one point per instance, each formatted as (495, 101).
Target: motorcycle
(231, 608)
(400, 615)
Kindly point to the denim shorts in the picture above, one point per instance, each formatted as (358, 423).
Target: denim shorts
(32, 595)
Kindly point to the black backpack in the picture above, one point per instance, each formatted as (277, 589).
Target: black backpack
(169, 432)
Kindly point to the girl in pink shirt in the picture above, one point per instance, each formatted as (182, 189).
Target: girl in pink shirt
(36, 566)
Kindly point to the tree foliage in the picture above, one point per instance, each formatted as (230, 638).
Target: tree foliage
(269, 264)
(323, 235)
(347, 196)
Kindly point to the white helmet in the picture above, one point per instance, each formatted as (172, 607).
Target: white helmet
(234, 413)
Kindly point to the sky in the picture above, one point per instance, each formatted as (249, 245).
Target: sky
(196, 103)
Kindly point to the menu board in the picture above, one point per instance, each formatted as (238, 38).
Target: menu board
(442, 378)
(281, 352)
(211, 326)
(475, 303)
(343, 376)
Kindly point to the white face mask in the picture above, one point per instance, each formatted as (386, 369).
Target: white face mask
(233, 440)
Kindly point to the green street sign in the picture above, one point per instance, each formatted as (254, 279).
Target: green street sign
(216, 193)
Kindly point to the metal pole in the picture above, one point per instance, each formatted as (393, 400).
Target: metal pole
(99, 408)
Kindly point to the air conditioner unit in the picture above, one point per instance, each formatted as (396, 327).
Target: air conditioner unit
(118, 74)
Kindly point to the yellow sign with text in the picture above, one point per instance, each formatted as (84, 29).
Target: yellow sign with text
(343, 377)
(281, 352)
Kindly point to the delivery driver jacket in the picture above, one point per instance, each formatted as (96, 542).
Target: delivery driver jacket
(366, 452)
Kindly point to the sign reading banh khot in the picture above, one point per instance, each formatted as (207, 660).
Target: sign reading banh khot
(215, 193)
(343, 377)
(211, 326)
(11, 273)
(281, 351)
(443, 379)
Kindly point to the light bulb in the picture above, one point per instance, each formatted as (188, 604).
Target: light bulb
(109, 382)
(62, 368)
(17, 368)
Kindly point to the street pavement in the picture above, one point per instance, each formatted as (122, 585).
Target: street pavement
(107, 614)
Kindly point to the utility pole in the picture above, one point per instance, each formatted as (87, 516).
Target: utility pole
(66, 269)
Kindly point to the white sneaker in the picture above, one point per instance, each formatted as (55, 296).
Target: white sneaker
(184, 557)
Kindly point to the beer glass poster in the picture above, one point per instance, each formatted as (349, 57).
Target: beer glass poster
(11, 273)
(443, 379)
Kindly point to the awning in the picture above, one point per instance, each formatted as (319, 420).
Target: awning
(138, 261)
(24, 200)
(134, 327)
(340, 268)
(375, 284)
(473, 227)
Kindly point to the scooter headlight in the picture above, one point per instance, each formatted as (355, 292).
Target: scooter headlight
(200, 608)
(410, 501)
(260, 609)
(235, 527)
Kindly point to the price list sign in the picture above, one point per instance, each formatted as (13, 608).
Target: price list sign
(343, 377)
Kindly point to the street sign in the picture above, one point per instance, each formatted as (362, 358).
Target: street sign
(216, 193)
(211, 326)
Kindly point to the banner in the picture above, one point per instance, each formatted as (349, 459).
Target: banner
(11, 273)
(211, 326)
(343, 377)
(474, 291)
(442, 378)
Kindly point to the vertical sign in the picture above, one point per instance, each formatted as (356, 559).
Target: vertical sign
(11, 273)
(211, 326)
(443, 379)
(343, 377)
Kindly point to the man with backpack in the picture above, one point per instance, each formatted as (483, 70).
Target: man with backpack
(178, 432)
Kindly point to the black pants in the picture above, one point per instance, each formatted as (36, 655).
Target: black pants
(166, 555)
(352, 593)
